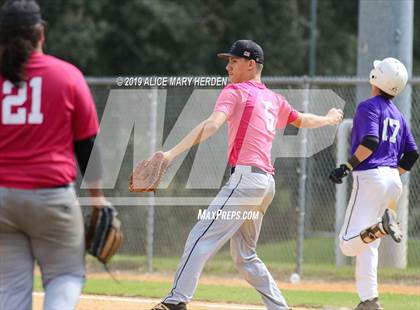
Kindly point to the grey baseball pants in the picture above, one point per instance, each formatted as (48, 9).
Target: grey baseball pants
(45, 226)
(245, 191)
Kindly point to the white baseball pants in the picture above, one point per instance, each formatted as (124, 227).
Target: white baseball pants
(374, 190)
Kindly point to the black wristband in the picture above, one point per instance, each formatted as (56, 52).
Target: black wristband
(408, 159)
(353, 162)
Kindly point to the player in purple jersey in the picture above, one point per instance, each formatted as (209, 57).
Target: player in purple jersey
(383, 148)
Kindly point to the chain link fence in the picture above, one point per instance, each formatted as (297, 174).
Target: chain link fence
(155, 236)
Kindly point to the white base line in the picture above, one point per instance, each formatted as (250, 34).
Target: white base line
(151, 301)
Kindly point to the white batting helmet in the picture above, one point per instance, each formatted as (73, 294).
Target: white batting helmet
(389, 75)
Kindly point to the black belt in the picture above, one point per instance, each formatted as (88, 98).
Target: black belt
(253, 169)
(63, 186)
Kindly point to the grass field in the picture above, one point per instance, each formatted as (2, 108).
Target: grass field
(318, 266)
(318, 262)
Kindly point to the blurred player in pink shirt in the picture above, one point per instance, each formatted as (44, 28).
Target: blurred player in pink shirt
(47, 118)
(253, 113)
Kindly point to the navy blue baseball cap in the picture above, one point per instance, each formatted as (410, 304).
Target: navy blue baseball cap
(245, 48)
(20, 13)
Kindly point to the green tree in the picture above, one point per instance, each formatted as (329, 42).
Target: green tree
(164, 37)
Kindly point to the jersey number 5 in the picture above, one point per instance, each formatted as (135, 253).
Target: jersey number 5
(392, 123)
(18, 117)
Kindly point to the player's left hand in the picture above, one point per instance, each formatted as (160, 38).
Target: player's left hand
(335, 116)
(339, 173)
(147, 174)
(169, 156)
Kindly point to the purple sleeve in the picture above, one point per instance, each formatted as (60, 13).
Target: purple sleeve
(410, 143)
(366, 121)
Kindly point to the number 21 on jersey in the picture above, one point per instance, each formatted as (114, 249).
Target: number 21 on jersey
(19, 115)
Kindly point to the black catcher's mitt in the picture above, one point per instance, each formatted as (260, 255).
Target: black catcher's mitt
(103, 234)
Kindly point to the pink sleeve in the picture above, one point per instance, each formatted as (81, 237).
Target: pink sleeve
(85, 119)
(287, 114)
(227, 100)
(292, 116)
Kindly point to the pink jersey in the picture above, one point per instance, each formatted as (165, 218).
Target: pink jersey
(40, 121)
(253, 114)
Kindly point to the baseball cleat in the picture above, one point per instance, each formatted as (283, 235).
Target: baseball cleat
(372, 304)
(166, 306)
(391, 226)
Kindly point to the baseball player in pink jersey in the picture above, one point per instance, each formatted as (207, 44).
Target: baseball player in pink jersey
(253, 113)
(47, 116)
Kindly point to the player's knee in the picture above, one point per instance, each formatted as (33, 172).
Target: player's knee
(241, 259)
(66, 281)
(347, 249)
(73, 271)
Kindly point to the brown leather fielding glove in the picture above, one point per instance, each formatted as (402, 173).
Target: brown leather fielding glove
(148, 173)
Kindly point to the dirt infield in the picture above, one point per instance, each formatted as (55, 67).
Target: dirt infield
(91, 302)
